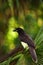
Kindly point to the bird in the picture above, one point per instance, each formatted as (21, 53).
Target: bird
(24, 37)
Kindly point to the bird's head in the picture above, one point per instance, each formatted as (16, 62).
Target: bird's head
(19, 30)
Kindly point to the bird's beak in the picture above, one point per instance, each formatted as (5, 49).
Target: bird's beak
(14, 30)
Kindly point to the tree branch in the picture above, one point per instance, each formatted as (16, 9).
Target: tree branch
(13, 52)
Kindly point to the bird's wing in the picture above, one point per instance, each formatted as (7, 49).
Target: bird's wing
(25, 38)
(30, 42)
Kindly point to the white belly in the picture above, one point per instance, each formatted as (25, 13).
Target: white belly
(24, 45)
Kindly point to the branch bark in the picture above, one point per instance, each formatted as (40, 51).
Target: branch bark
(13, 52)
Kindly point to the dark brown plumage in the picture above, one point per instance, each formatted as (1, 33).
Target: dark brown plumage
(27, 39)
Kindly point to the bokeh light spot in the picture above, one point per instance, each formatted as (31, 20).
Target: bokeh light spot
(40, 22)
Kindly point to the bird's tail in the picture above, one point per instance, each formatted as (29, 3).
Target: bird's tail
(33, 54)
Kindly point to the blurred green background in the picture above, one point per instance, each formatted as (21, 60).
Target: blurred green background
(27, 14)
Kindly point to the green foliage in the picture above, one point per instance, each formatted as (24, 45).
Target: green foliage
(31, 23)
